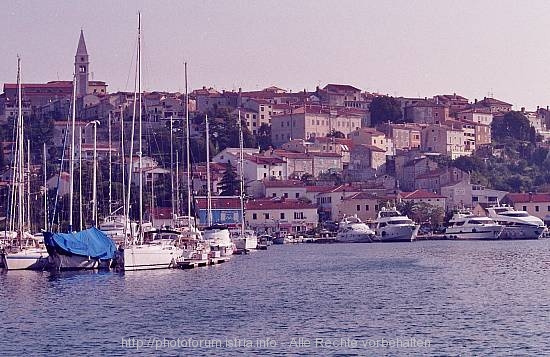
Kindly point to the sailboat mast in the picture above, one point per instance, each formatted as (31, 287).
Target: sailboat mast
(29, 185)
(172, 169)
(208, 188)
(71, 156)
(188, 151)
(140, 153)
(241, 172)
(45, 190)
(123, 169)
(80, 200)
(20, 182)
(110, 168)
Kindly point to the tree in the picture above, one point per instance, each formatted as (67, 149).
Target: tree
(513, 125)
(230, 183)
(385, 109)
(336, 134)
(264, 137)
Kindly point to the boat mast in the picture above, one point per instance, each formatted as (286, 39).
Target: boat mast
(140, 153)
(123, 169)
(172, 170)
(71, 157)
(29, 185)
(45, 191)
(80, 178)
(188, 151)
(241, 173)
(110, 169)
(20, 178)
(208, 193)
(131, 164)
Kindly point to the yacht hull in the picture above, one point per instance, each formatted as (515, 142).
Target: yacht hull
(482, 234)
(62, 262)
(353, 237)
(35, 259)
(398, 234)
(147, 257)
(523, 232)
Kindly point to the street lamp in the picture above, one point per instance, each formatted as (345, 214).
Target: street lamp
(95, 123)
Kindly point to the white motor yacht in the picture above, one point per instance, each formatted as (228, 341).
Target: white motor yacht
(465, 225)
(517, 224)
(392, 226)
(352, 230)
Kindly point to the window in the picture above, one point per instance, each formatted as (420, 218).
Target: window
(298, 215)
(282, 215)
(525, 208)
(273, 194)
(266, 215)
(285, 194)
(536, 208)
(358, 208)
(297, 195)
(254, 216)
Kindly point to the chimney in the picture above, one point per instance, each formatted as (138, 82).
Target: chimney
(530, 196)
(523, 109)
(475, 101)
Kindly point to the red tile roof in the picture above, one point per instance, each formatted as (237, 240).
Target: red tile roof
(341, 87)
(219, 202)
(420, 194)
(528, 197)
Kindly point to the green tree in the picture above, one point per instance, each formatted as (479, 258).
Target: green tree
(336, 134)
(513, 125)
(230, 183)
(264, 137)
(385, 109)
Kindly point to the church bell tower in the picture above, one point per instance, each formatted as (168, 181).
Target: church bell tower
(81, 67)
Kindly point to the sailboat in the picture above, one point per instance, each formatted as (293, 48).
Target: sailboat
(159, 252)
(217, 235)
(247, 239)
(21, 250)
(86, 249)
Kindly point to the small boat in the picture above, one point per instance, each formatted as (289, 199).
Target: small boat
(465, 225)
(392, 226)
(246, 240)
(353, 230)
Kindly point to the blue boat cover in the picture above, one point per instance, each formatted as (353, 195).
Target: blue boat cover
(91, 243)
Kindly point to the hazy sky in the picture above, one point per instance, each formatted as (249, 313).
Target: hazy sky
(405, 48)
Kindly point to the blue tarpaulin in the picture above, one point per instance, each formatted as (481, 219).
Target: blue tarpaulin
(91, 243)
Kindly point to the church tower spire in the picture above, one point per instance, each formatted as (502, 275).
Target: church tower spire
(81, 67)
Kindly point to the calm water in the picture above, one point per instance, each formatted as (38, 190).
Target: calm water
(464, 298)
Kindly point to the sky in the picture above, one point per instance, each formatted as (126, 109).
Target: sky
(474, 48)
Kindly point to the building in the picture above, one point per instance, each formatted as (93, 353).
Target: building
(493, 105)
(364, 205)
(423, 196)
(445, 140)
(462, 193)
(281, 215)
(308, 122)
(536, 204)
(225, 210)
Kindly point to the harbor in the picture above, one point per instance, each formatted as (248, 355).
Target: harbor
(451, 292)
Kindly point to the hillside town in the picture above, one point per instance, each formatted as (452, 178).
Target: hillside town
(310, 156)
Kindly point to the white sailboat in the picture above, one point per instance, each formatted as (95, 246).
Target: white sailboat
(138, 254)
(21, 250)
(247, 239)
